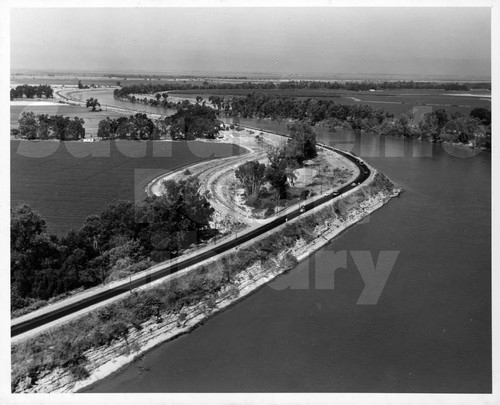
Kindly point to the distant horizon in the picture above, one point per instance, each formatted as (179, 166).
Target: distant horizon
(421, 42)
(341, 76)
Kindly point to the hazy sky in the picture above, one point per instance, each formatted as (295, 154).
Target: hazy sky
(423, 41)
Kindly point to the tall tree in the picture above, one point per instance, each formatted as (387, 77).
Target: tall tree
(93, 103)
(251, 174)
(28, 125)
(303, 141)
(32, 249)
(482, 114)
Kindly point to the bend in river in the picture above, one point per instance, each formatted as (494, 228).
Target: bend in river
(429, 332)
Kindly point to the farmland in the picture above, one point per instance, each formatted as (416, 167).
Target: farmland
(67, 181)
(91, 118)
(392, 101)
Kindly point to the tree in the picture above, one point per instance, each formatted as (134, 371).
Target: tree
(303, 141)
(176, 219)
(104, 129)
(118, 219)
(43, 130)
(482, 114)
(82, 86)
(161, 127)
(460, 129)
(194, 121)
(75, 129)
(93, 102)
(59, 126)
(251, 175)
(28, 125)
(142, 127)
(277, 176)
(188, 203)
(32, 249)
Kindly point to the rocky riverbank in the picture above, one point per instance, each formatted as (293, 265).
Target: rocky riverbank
(302, 236)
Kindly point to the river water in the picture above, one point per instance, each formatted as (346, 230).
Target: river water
(429, 332)
(106, 98)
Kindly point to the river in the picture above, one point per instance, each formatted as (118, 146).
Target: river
(106, 98)
(429, 332)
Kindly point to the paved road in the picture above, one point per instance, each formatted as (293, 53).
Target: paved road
(18, 328)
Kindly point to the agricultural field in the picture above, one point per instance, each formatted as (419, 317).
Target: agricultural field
(67, 181)
(91, 118)
(392, 101)
(105, 80)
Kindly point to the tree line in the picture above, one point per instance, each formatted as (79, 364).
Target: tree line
(312, 110)
(25, 90)
(135, 127)
(44, 126)
(439, 126)
(153, 88)
(125, 238)
(436, 126)
(193, 121)
(190, 122)
(160, 100)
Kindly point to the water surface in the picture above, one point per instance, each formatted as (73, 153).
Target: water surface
(429, 332)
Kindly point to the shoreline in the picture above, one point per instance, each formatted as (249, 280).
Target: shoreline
(67, 98)
(105, 361)
(308, 250)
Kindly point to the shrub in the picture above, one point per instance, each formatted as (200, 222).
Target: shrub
(269, 212)
(78, 372)
(254, 201)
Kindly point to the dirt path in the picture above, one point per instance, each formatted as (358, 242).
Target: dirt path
(328, 171)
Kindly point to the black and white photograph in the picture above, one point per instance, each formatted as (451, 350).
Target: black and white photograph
(223, 202)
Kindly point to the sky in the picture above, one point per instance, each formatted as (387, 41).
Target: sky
(283, 41)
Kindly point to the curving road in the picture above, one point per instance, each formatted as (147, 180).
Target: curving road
(24, 325)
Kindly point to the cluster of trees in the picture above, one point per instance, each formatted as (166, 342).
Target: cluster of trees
(193, 121)
(153, 88)
(123, 239)
(44, 126)
(82, 86)
(283, 160)
(190, 122)
(439, 126)
(135, 127)
(25, 90)
(160, 100)
(475, 129)
(386, 85)
(311, 109)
